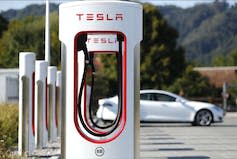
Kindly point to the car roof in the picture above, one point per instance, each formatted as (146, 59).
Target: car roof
(154, 91)
(160, 91)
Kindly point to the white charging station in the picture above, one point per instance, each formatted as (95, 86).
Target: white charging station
(41, 104)
(26, 104)
(52, 74)
(58, 102)
(91, 31)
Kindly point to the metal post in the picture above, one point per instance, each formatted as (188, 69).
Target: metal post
(58, 101)
(225, 96)
(52, 71)
(26, 104)
(47, 33)
(41, 109)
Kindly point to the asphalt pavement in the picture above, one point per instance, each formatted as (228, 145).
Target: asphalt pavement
(183, 141)
(179, 141)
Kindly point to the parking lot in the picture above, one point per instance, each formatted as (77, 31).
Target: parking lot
(183, 141)
(179, 141)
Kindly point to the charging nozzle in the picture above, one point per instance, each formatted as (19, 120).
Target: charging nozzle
(81, 42)
(81, 46)
(120, 37)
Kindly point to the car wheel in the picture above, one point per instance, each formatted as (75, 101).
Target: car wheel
(203, 118)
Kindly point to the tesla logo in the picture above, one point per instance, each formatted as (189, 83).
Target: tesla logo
(102, 40)
(100, 17)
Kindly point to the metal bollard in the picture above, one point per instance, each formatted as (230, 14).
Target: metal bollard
(52, 72)
(26, 131)
(58, 102)
(41, 105)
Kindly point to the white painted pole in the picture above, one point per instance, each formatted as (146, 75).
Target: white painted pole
(47, 33)
(52, 73)
(26, 104)
(41, 106)
(58, 101)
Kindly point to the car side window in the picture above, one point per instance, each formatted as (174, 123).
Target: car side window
(165, 98)
(154, 97)
(157, 97)
(144, 96)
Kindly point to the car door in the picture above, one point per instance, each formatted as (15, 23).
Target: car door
(172, 109)
(150, 108)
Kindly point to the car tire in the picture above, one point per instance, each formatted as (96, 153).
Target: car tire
(203, 118)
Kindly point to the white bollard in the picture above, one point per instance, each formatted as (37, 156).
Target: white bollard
(41, 105)
(58, 102)
(52, 73)
(26, 131)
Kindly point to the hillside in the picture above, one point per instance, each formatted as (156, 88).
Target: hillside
(205, 30)
(31, 10)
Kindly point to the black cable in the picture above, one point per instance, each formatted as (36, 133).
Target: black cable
(119, 81)
(81, 45)
(91, 96)
(91, 100)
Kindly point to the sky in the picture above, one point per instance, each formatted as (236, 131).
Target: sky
(19, 4)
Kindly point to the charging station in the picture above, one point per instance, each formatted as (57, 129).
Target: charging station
(58, 102)
(97, 37)
(41, 104)
(52, 73)
(26, 104)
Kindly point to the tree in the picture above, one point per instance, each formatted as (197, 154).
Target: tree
(28, 35)
(219, 60)
(162, 61)
(232, 58)
(25, 35)
(229, 60)
(3, 25)
(192, 84)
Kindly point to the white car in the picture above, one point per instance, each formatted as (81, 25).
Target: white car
(163, 106)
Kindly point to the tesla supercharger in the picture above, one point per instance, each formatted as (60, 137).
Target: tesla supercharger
(58, 102)
(26, 104)
(41, 104)
(101, 58)
(52, 129)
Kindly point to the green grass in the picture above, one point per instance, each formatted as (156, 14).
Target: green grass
(8, 129)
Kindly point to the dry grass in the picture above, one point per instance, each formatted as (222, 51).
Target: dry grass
(8, 129)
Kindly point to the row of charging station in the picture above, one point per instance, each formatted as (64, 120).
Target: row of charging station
(91, 32)
(39, 104)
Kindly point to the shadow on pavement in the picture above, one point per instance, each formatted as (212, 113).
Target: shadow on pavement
(167, 149)
(190, 157)
(180, 157)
